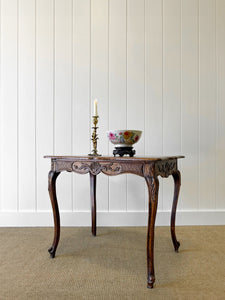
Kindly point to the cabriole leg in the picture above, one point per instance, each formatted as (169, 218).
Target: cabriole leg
(93, 179)
(177, 183)
(52, 176)
(153, 188)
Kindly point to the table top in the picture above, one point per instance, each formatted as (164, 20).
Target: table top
(114, 158)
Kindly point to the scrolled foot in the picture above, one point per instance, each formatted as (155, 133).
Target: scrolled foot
(176, 246)
(151, 281)
(52, 250)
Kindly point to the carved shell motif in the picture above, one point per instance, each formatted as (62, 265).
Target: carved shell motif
(166, 168)
(95, 168)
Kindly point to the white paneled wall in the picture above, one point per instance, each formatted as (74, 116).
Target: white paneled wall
(154, 65)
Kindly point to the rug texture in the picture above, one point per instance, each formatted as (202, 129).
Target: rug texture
(111, 265)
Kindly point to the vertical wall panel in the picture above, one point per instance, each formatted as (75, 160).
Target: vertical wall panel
(189, 98)
(153, 82)
(153, 65)
(220, 78)
(135, 93)
(63, 93)
(207, 102)
(99, 85)
(9, 104)
(81, 97)
(117, 92)
(44, 97)
(26, 109)
(171, 88)
(1, 112)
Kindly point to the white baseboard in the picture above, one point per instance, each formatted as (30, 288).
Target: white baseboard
(117, 218)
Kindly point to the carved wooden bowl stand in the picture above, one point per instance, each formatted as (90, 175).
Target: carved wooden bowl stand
(121, 151)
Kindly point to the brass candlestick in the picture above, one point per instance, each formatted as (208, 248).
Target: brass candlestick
(94, 137)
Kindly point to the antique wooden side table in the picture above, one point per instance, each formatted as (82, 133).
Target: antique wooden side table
(148, 167)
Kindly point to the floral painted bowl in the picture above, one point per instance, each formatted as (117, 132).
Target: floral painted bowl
(124, 138)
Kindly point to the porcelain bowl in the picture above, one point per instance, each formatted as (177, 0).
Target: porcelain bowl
(124, 138)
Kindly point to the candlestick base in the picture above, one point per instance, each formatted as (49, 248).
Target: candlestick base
(94, 154)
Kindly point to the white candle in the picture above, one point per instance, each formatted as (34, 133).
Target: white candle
(95, 107)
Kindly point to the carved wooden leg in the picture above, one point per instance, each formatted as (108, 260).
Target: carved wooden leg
(153, 188)
(177, 183)
(93, 179)
(52, 193)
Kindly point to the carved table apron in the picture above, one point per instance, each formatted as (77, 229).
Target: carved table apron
(148, 167)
